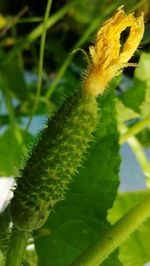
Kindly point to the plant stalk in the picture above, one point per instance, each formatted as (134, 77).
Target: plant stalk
(40, 67)
(94, 25)
(135, 129)
(117, 234)
(17, 244)
(138, 152)
(37, 32)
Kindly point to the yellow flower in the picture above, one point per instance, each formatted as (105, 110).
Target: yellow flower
(108, 59)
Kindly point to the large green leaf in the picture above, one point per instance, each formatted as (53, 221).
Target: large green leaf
(135, 250)
(77, 221)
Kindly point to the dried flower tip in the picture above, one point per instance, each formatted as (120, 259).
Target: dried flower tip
(108, 57)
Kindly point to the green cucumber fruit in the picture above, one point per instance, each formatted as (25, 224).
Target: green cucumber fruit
(53, 161)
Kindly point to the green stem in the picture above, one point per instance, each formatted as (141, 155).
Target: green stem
(137, 5)
(29, 20)
(117, 234)
(137, 149)
(135, 129)
(139, 153)
(41, 60)
(16, 247)
(38, 31)
(94, 25)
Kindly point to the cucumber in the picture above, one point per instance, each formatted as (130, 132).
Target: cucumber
(53, 161)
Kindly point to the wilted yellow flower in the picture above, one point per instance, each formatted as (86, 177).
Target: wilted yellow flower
(108, 59)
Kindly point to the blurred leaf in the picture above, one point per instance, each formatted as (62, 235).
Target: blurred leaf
(84, 13)
(145, 106)
(144, 137)
(124, 113)
(67, 85)
(11, 151)
(134, 97)
(142, 71)
(12, 75)
(2, 262)
(137, 97)
(146, 38)
(3, 21)
(81, 217)
(134, 251)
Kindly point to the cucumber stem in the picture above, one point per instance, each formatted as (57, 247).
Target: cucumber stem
(117, 234)
(17, 244)
(139, 126)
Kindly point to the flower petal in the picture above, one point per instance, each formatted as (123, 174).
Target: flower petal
(107, 59)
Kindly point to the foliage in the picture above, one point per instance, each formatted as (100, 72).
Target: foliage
(137, 246)
(81, 218)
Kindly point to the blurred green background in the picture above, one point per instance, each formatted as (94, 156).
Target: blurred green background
(25, 103)
(71, 25)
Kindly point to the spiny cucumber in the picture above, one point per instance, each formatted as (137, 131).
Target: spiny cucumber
(53, 161)
(62, 144)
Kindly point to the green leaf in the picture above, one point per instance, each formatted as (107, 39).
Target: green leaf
(138, 94)
(81, 217)
(134, 251)
(134, 97)
(11, 150)
(142, 71)
(145, 106)
(146, 37)
(124, 113)
(2, 261)
(144, 137)
(13, 76)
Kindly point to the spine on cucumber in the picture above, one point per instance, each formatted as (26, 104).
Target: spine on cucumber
(53, 161)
